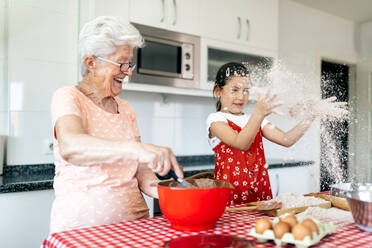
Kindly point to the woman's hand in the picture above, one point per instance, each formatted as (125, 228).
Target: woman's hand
(266, 105)
(162, 160)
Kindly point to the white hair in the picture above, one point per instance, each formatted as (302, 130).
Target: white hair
(100, 36)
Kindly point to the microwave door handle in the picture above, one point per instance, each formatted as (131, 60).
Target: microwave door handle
(248, 23)
(163, 11)
(175, 12)
(239, 27)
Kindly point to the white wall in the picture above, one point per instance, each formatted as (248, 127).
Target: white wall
(3, 68)
(42, 38)
(365, 41)
(362, 168)
(176, 121)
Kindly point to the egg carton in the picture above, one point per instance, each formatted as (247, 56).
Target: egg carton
(324, 229)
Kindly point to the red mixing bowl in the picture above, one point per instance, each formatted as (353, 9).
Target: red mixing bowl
(193, 209)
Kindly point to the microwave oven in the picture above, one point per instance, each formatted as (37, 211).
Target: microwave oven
(167, 58)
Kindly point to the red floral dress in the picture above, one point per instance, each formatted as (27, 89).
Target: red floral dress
(245, 170)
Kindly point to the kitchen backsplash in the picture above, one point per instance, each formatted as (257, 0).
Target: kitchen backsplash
(167, 120)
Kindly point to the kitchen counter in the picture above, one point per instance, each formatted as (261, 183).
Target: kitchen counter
(21, 178)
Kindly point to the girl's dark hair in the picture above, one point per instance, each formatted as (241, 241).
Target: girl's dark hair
(224, 73)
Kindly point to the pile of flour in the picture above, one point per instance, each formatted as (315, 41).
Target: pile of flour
(292, 200)
(338, 216)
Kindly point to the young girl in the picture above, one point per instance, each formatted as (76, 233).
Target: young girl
(236, 137)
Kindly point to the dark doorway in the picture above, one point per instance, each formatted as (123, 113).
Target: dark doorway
(334, 133)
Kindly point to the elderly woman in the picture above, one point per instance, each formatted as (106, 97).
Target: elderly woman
(101, 164)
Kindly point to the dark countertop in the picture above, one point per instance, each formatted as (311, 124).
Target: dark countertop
(21, 178)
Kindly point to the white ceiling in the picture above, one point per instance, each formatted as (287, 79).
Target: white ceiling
(354, 10)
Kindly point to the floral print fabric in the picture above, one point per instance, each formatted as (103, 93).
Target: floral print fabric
(245, 170)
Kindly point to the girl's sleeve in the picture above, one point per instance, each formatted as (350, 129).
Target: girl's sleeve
(264, 122)
(64, 102)
(214, 117)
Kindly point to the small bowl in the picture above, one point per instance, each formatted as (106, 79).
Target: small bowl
(360, 203)
(193, 209)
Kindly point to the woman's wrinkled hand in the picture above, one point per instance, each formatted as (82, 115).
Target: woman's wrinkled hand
(266, 104)
(160, 160)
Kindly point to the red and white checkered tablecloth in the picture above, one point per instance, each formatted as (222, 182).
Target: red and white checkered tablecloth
(153, 232)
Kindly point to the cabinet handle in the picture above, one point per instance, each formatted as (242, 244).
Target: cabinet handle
(175, 12)
(163, 11)
(239, 27)
(277, 184)
(248, 24)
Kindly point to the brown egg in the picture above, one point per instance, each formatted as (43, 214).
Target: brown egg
(262, 225)
(281, 228)
(300, 231)
(290, 219)
(311, 224)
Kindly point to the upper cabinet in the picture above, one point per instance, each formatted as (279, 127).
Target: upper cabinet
(252, 23)
(176, 15)
(90, 9)
(111, 7)
(248, 22)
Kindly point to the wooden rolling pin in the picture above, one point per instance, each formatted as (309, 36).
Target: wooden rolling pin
(261, 206)
(337, 202)
(241, 208)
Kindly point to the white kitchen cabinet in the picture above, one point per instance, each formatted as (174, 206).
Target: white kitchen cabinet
(25, 218)
(220, 19)
(248, 22)
(300, 180)
(176, 15)
(150, 203)
(261, 23)
(90, 9)
(112, 7)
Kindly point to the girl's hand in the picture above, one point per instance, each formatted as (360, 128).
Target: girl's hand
(162, 160)
(312, 108)
(266, 105)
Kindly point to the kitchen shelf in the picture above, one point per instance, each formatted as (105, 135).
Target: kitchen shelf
(166, 90)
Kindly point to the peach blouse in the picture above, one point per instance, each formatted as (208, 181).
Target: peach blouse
(99, 193)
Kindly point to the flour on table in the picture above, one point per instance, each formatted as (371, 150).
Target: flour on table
(292, 200)
(338, 216)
